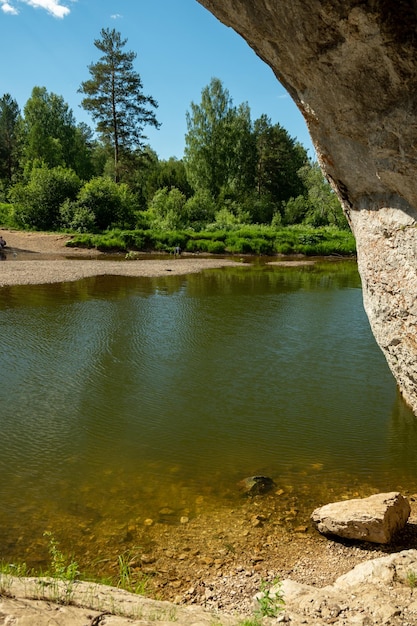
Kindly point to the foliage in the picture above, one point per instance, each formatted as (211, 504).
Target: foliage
(279, 159)
(7, 215)
(251, 239)
(200, 210)
(167, 209)
(170, 174)
(209, 146)
(249, 169)
(205, 245)
(319, 205)
(114, 97)
(110, 204)
(412, 579)
(220, 152)
(10, 123)
(61, 568)
(50, 134)
(37, 202)
(130, 580)
(74, 217)
(270, 601)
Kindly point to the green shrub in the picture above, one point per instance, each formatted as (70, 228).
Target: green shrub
(205, 245)
(110, 242)
(112, 204)
(37, 202)
(76, 218)
(167, 210)
(239, 245)
(200, 209)
(7, 215)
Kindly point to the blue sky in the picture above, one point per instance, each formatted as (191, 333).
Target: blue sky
(180, 46)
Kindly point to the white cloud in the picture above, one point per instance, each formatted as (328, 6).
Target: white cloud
(116, 16)
(54, 7)
(8, 8)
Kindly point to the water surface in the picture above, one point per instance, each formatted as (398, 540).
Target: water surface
(123, 398)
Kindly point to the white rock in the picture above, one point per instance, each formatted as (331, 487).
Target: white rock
(374, 519)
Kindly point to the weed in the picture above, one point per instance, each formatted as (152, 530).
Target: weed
(128, 579)
(412, 579)
(270, 601)
(61, 569)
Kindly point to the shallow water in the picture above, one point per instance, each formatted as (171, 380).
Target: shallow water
(127, 399)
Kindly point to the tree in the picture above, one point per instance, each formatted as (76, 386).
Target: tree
(37, 202)
(170, 173)
(111, 204)
(209, 149)
(319, 205)
(279, 159)
(49, 130)
(10, 121)
(115, 99)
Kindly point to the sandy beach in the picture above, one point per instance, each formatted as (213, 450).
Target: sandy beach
(36, 258)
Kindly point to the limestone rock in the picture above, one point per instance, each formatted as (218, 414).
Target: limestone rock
(375, 519)
(351, 68)
(374, 592)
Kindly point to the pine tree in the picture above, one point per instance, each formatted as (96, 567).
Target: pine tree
(115, 99)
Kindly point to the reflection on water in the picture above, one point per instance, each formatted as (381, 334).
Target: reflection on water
(123, 396)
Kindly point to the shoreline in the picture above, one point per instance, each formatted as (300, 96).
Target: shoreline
(36, 258)
(39, 272)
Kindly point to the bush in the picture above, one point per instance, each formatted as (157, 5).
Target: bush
(37, 203)
(110, 203)
(76, 218)
(7, 215)
(199, 210)
(205, 245)
(167, 209)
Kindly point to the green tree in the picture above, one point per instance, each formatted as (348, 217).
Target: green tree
(319, 205)
(37, 202)
(49, 131)
(279, 159)
(210, 147)
(10, 120)
(111, 204)
(167, 209)
(170, 173)
(115, 99)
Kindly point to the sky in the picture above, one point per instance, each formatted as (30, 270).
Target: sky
(180, 47)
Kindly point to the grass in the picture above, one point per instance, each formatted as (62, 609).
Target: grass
(58, 585)
(411, 579)
(251, 239)
(128, 578)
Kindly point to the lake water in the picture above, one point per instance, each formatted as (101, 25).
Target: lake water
(127, 402)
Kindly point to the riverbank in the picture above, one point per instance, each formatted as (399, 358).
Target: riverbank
(37, 258)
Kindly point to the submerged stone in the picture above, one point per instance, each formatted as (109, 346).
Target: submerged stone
(256, 485)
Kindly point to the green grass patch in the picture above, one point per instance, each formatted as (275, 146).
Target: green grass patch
(251, 239)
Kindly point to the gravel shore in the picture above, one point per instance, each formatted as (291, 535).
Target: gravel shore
(36, 258)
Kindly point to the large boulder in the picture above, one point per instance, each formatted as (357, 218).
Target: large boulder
(351, 67)
(375, 519)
